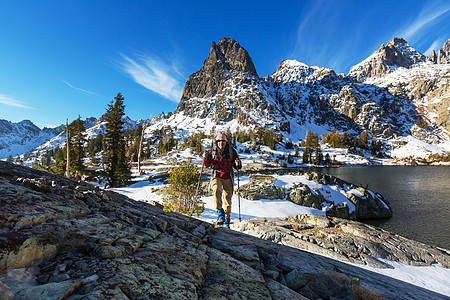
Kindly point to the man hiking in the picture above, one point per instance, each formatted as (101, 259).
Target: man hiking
(222, 158)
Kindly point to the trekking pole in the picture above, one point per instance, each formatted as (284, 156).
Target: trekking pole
(239, 198)
(199, 180)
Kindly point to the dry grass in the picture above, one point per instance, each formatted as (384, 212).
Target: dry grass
(338, 277)
(361, 293)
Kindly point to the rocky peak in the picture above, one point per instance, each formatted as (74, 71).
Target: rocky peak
(444, 53)
(295, 71)
(24, 128)
(226, 60)
(399, 53)
(228, 55)
(396, 53)
(433, 57)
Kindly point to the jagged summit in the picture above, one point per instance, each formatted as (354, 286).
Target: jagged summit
(213, 90)
(295, 71)
(227, 92)
(396, 53)
(226, 60)
(18, 138)
(443, 56)
(232, 55)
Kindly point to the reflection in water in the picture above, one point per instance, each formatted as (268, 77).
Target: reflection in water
(419, 197)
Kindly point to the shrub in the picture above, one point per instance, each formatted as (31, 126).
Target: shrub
(421, 123)
(361, 293)
(290, 159)
(181, 194)
(195, 142)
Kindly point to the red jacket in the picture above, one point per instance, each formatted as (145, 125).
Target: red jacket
(222, 162)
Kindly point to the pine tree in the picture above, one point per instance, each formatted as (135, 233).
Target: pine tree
(183, 193)
(319, 156)
(312, 139)
(364, 140)
(117, 167)
(77, 142)
(307, 155)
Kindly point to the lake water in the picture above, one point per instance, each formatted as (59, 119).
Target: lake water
(419, 197)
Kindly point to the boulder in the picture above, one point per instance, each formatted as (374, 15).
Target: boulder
(261, 187)
(302, 195)
(345, 240)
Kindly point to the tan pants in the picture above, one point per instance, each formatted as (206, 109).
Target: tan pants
(222, 191)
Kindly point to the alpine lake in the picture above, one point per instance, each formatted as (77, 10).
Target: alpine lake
(419, 197)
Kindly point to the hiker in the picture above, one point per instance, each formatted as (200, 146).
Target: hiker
(222, 158)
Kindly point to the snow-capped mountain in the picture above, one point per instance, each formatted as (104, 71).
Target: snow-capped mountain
(18, 138)
(397, 53)
(386, 94)
(295, 96)
(397, 94)
(93, 127)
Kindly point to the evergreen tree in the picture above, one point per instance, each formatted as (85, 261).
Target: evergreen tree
(307, 155)
(77, 149)
(319, 156)
(364, 140)
(297, 151)
(117, 167)
(312, 139)
(95, 145)
(18, 160)
(9, 159)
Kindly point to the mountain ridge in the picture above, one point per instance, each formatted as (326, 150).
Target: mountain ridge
(387, 94)
(320, 93)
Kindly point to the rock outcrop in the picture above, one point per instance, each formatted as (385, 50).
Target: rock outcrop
(345, 240)
(443, 56)
(208, 91)
(61, 238)
(396, 53)
(365, 204)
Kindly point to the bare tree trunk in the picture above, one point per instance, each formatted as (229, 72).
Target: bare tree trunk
(140, 147)
(67, 147)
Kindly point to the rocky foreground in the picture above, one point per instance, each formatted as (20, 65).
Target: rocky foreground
(63, 239)
(345, 240)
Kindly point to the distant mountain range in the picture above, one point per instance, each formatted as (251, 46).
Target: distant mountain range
(21, 137)
(394, 94)
(25, 137)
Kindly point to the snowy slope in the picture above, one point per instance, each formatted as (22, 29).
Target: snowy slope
(21, 137)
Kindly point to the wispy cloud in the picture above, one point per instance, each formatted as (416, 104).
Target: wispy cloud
(435, 45)
(323, 37)
(152, 73)
(80, 90)
(426, 17)
(12, 102)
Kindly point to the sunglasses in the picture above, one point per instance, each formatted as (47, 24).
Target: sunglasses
(222, 141)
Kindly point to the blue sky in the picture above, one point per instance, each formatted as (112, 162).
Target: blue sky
(61, 59)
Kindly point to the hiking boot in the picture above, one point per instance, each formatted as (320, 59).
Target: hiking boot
(219, 223)
(220, 217)
(227, 223)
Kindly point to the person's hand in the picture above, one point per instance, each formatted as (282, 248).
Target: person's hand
(207, 156)
(238, 164)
